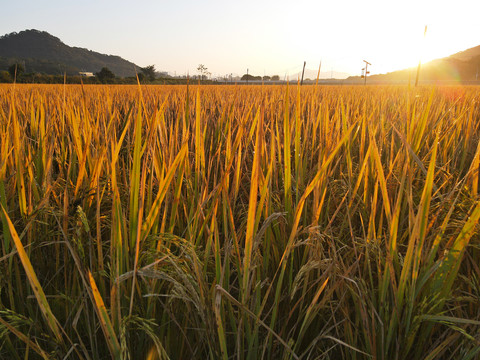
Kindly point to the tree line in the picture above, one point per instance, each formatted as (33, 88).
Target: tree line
(148, 74)
(250, 77)
(16, 73)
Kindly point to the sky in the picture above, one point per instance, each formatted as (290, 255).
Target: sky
(266, 37)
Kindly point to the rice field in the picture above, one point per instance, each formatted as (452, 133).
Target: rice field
(239, 222)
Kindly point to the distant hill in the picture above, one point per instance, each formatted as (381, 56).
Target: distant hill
(467, 55)
(312, 75)
(463, 67)
(43, 53)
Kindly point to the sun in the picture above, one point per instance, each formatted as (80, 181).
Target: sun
(415, 50)
(404, 47)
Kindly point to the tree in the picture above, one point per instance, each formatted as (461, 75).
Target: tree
(149, 72)
(16, 70)
(105, 75)
(275, 78)
(202, 69)
(5, 77)
(250, 77)
(141, 77)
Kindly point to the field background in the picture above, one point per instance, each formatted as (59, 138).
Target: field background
(239, 222)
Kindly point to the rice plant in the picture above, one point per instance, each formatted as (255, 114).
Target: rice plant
(239, 222)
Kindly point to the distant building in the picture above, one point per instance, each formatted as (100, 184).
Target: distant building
(86, 74)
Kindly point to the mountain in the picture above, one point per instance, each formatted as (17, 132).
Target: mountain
(43, 53)
(462, 67)
(312, 75)
(467, 55)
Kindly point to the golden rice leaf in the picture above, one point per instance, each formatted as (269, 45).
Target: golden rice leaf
(106, 325)
(34, 283)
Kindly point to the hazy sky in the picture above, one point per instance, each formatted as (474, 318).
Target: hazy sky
(267, 37)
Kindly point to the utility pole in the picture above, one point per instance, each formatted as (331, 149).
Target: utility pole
(247, 76)
(420, 61)
(365, 74)
(303, 72)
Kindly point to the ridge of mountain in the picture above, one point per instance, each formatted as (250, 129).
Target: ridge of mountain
(463, 66)
(42, 52)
